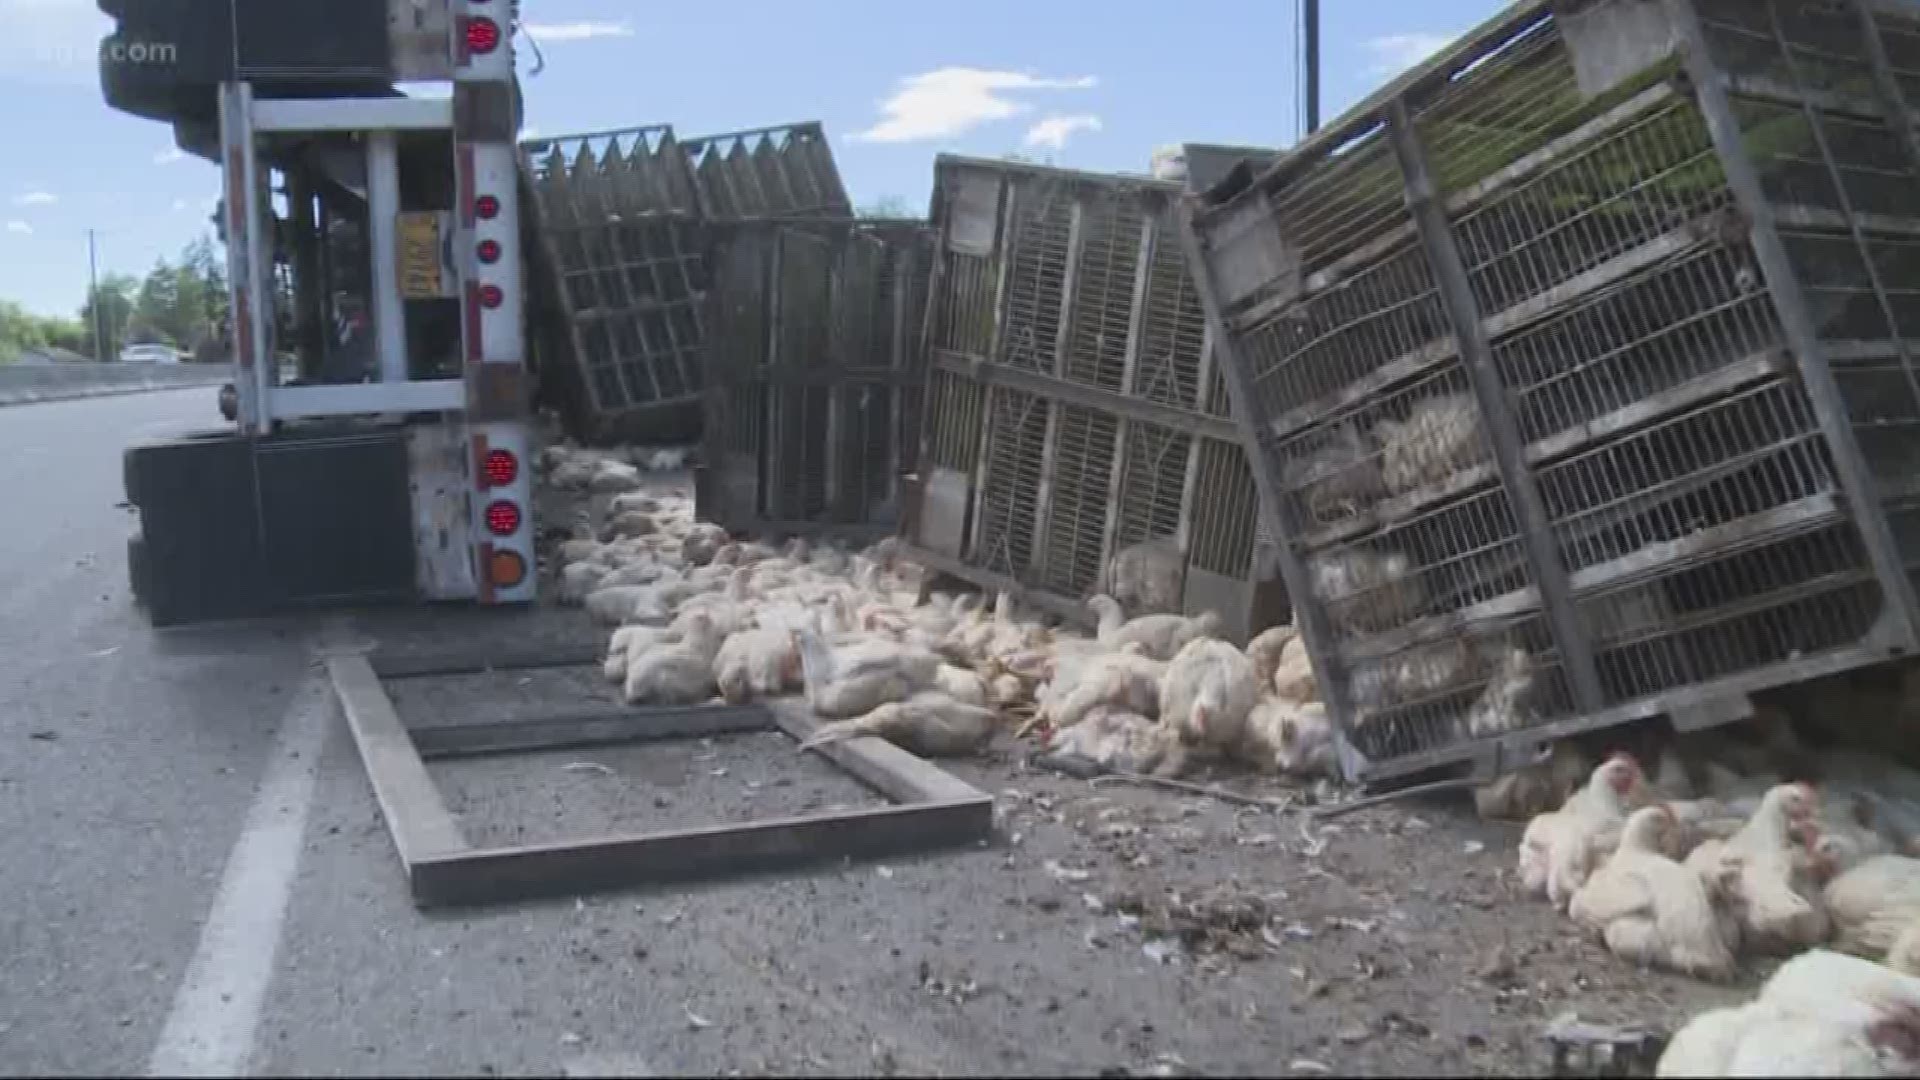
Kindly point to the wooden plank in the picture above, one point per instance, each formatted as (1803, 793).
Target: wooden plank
(473, 661)
(895, 773)
(547, 870)
(587, 727)
(416, 818)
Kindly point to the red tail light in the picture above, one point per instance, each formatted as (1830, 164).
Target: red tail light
(487, 207)
(483, 35)
(489, 251)
(490, 296)
(503, 518)
(501, 468)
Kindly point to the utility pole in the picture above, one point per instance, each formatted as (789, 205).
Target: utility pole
(100, 351)
(1310, 60)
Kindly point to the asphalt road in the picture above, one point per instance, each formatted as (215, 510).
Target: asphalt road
(197, 878)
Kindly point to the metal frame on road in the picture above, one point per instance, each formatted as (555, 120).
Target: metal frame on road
(933, 809)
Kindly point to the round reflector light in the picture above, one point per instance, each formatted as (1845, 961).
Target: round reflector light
(487, 207)
(483, 35)
(489, 251)
(506, 569)
(502, 468)
(490, 296)
(503, 518)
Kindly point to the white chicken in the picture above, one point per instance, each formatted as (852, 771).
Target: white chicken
(1873, 903)
(1652, 911)
(1367, 592)
(928, 723)
(1557, 848)
(1439, 438)
(1758, 874)
(1535, 788)
(1293, 679)
(756, 663)
(1146, 576)
(1821, 1014)
(677, 672)
(1339, 479)
(628, 642)
(1159, 636)
(1117, 740)
(855, 679)
(1206, 693)
(1294, 739)
(1127, 679)
(1265, 650)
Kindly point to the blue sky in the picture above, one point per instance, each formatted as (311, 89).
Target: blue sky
(1090, 85)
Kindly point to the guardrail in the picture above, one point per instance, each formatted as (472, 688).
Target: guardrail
(25, 384)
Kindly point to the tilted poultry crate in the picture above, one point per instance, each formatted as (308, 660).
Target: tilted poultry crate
(1577, 363)
(621, 223)
(814, 376)
(1074, 418)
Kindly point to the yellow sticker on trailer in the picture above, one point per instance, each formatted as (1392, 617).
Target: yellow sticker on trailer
(420, 267)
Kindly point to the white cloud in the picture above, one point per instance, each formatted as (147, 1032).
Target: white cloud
(546, 33)
(180, 205)
(36, 198)
(170, 155)
(952, 101)
(1395, 53)
(1054, 131)
(21, 227)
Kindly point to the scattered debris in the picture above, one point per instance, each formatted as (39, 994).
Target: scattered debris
(587, 767)
(695, 1020)
(1066, 873)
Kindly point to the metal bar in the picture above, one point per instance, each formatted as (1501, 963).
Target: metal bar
(1190, 481)
(1476, 354)
(1062, 341)
(348, 399)
(1092, 397)
(586, 727)
(385, 114)
(1009, 197)
(1130, 364)
(1310, 47)
(417, 820)
(1899, 116)
(1790, 304)
(1818, 129)
(544, 870)
(383, 248)
(1311, 617)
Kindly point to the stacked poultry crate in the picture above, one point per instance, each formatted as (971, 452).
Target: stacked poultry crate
(813, 375)
(1077, 434)
(623, 220)
(1578, 364)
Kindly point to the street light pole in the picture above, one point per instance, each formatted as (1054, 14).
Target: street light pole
(100, 351)
(1310, 60)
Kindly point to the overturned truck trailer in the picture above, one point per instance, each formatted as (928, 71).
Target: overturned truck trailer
(1581, 366)
(622, 222)
(814, 375)
(1077, 435)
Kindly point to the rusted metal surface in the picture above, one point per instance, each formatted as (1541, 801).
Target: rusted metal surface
(1578, 365)
(814, 375)
(622, 222)
(1075, 418)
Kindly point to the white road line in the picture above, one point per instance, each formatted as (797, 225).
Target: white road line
(211, 1028)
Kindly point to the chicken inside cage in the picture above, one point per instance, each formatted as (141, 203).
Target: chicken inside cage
(1146, 577)
(1367, 591)
(1439, 439)
(1424, 671)
(1339, 479)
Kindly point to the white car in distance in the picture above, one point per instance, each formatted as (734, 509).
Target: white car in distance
(150, 353)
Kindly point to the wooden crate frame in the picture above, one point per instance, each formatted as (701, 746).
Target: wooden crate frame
(933, 809)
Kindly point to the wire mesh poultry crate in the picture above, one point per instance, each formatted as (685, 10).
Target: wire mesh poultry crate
(1077, 436)
(622, 223)
(1578, 366)
(813, 375)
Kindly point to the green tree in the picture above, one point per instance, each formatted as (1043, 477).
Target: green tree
(114, 299)
(887, 206)
(20, 330)
(156, 307)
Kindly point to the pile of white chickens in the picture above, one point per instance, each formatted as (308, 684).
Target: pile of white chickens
(698, 615)
(1767, 868)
